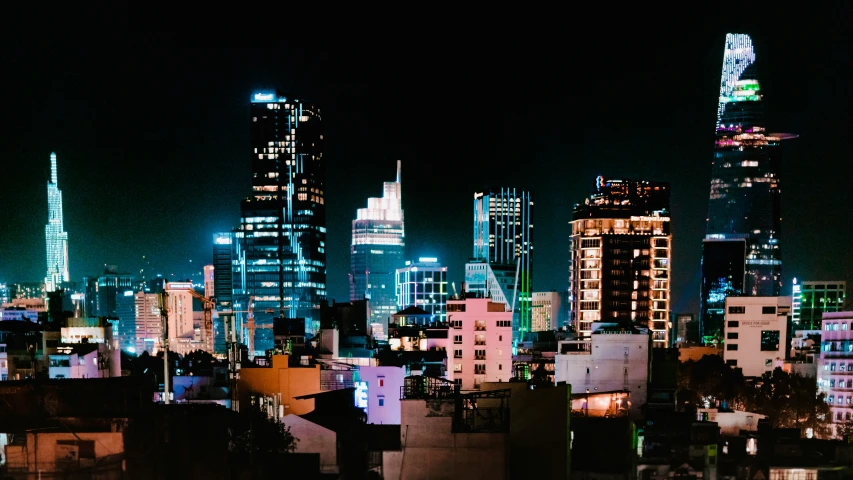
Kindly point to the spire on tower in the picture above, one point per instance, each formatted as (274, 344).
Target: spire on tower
(398, 171)
(53, 167)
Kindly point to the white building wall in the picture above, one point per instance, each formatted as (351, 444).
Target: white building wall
(480, 348)
(747, 321)
(835, 365)
(180, 314)
(383, 393)
(607, 362)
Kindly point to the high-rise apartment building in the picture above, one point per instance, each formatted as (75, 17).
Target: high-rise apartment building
(149, 323)
(378, 249)
(56, 238)
(424, 285)
(503, 239)
(741, 252)
(620, 257)
(279, 249)
(811, 299)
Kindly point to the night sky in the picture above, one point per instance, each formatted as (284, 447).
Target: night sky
(152, 134)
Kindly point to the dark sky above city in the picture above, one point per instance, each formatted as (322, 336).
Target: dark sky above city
(152, 133)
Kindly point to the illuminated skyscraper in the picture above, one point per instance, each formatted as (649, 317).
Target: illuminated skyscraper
(741, 252)
(56, 238)
(503, 239)
(424, 285)
(620, 257)
(378, 250)
(279, 250)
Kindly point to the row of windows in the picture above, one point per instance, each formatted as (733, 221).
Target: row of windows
(834, 326)
(740, 309)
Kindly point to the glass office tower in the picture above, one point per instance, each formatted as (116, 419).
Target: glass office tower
(620, 266)
(278, 251)
(424, 285)
(503, 238)
(378, 250)
(744, 205)
(811, 299)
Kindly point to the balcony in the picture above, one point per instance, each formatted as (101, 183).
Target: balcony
(480, 342)
(480, 328)
(479, 357)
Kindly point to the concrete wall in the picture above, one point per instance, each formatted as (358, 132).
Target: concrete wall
(280, 378)
(743, 332)
(731, 423)
(392, 380)
(611, 362)
(43, 451)
(430, 450)
(313, 438)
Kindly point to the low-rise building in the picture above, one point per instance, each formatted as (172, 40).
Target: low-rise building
(614, 358)
(379, 388)
(756, 333)
(285, 379)
(481, 333)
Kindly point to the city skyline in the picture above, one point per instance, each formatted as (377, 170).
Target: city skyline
(558, 176)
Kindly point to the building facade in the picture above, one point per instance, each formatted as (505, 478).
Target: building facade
(279, 249)
(613, 358)
(744, 220)
(377, 251)
(503, 239)
(56, 238)
(111, 285)
(380, 389)
(222, 285)
(811, 299)
(149, 323)
(757, 333)
(620, 264)
(481, 341)
(423, 284)
(548, 311)
(835, 366)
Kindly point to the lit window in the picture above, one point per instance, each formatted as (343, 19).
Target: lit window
(381, 381)
(381, 400)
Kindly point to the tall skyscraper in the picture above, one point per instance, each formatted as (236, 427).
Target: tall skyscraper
(56, 238)
(279, 249)
(620, 257)
(503, 239)
(222, 285)
(741, 252)
(424, 285)
(378, 250)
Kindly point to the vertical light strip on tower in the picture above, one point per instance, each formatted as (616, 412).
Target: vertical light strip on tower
(56, 238)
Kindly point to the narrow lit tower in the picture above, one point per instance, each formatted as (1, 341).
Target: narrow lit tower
(55, 236)
(620, 266)
(503, 239)
(741, 254)
(378, 250)
(279, 249)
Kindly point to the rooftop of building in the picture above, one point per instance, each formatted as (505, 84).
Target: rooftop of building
(411, 311)
(625, 198)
